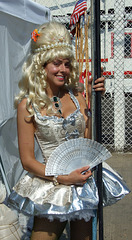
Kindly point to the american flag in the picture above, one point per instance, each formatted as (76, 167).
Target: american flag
(79, 9)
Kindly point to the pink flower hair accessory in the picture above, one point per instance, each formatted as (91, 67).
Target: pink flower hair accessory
(35, 34)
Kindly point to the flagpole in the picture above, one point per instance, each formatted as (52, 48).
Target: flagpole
(81, 44)
(98, 115)
(93, 105)
(76, 42)
(86, 55)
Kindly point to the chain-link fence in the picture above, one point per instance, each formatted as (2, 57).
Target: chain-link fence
(116, 59)
(116, 45)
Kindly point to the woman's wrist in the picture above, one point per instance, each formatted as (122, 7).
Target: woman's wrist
(63, 179)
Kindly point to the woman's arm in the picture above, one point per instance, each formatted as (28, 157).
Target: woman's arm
(26, 141)
(84, 111)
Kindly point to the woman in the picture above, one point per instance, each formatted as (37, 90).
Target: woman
(50, 107)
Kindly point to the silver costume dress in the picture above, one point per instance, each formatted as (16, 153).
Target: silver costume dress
(35, 196)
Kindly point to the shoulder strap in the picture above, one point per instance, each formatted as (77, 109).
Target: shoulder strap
(74, 99)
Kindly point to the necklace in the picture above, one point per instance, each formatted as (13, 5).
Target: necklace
(57, 104)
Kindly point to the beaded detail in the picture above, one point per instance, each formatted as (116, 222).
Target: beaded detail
(53, 45)
(57, 104)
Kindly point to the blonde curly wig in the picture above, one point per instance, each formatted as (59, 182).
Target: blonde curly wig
(33, 83)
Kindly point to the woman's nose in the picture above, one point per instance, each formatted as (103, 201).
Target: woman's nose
(62, 67)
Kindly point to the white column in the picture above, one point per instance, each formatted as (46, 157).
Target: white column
(119, 98)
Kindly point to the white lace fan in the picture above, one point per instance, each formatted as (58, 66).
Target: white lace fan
(75, 153)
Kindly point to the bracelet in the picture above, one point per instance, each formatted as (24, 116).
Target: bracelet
(55, 182)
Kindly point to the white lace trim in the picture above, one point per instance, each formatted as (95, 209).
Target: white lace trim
(79, 215)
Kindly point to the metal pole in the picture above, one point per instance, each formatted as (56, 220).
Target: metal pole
(98, 116)
(96, 105)
(93, 102)
(93, 123)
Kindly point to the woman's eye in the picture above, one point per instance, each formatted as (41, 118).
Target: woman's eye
(56, 63)
(67, 65)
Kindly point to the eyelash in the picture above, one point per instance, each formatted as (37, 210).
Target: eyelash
(56, 63)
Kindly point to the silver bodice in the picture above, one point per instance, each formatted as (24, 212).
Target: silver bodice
(51, 131)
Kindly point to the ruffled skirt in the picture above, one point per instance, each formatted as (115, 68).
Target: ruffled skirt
(38, 197)
(35, 196)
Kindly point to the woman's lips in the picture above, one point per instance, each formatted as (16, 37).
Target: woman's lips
(60, 78)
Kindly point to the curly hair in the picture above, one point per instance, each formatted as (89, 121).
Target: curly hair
(33, 84)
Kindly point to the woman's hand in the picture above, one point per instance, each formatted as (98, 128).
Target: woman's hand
(76, 177)
(79, 176)
(98, 86)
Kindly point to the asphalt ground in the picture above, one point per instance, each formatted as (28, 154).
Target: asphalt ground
(118, 217)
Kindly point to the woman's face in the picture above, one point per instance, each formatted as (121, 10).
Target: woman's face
(58, 71)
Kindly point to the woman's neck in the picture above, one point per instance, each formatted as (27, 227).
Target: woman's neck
(55, 92)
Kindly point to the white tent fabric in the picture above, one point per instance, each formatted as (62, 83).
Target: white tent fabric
(25, 9)
(17, 20)
(9, 225)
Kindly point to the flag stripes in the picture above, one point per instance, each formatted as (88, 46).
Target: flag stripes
(79, 9)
